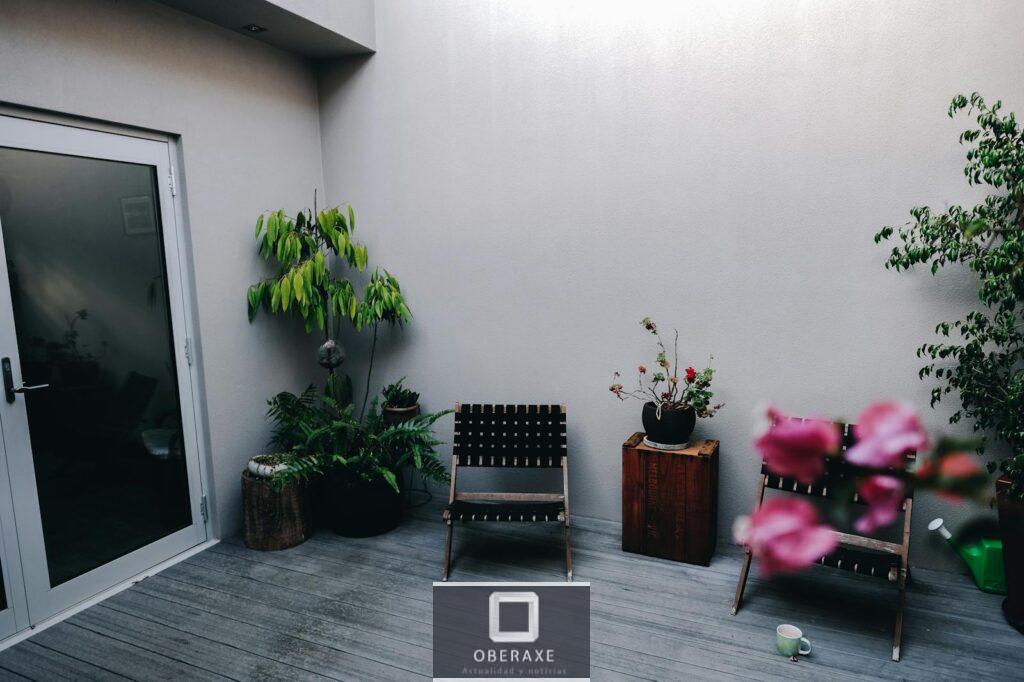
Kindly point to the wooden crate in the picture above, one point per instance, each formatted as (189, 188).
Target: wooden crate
(670, 500)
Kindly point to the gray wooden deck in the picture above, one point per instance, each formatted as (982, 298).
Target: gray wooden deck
(337, 608)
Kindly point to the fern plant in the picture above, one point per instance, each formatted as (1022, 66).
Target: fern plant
(324, 435)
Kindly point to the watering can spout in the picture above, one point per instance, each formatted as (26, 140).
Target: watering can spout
(938, 525)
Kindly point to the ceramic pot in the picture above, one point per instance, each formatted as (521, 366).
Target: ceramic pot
(400, 415)
(672, 428)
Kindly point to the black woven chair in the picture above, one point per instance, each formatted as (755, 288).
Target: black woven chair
(856, 553)
(509, 436)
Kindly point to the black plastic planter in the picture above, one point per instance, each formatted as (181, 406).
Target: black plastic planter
(673, 428)
(357, 508)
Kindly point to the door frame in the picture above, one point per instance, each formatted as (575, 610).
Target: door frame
(40, 602)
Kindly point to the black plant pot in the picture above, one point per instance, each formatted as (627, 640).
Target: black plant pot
(674, 427)
(357, 508)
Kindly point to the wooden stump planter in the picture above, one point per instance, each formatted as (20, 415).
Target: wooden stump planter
(274, 519)
(670, 500)
(1011, 526)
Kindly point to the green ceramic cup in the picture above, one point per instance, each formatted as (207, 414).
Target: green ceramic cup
(788, 639)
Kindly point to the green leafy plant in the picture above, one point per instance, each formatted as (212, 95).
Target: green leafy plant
(324, 435)
(398, 396)
(980, 357)
(306, 285)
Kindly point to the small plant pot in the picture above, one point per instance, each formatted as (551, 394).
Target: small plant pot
(274, 519)
(1011, 526)
(400, 415)
(359, 508)
(673, 428)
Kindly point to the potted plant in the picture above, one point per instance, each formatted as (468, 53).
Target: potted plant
(980, 356)
(672, 399)
(362, 459)
(306, 285)
(276, 510)
(400, 403)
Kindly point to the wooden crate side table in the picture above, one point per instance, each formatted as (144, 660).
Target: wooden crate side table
(670, 500)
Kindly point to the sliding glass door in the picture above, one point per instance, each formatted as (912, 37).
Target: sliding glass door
(98, 425)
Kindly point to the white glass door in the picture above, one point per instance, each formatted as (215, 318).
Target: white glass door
(98, 425)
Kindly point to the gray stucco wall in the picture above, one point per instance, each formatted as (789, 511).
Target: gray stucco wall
(247, 118)
(542, 175)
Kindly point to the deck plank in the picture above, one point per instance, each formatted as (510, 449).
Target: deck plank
(342, 608)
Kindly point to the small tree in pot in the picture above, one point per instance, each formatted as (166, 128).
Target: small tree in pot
(981, 357)
(672, 399)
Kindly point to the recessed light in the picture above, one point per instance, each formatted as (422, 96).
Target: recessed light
(254, 28)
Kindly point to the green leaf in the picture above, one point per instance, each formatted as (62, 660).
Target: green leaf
(286, 291)
(272, 227)
(259, 226)
(389, 476)
(298, 287)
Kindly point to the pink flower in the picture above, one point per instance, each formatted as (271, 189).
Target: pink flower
(885, 433)
(784, 535)
(797, 449)
(884, 496)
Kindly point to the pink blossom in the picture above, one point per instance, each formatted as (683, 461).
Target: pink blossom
(784, 535)
(795, 448)
(884, 496)
(885, 433)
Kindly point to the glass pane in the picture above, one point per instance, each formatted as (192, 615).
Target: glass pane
(86, 265)
(3, 593)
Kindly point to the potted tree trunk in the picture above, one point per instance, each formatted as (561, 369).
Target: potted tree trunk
(673, 399)
(400, 404)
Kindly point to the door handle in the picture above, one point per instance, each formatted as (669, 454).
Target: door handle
(25, 389)
(9, 389)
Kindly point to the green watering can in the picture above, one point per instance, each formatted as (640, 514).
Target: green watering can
(984, 556)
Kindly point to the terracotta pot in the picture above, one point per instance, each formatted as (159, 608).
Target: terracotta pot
(673, 428)
(400, 415)
(1011, 525)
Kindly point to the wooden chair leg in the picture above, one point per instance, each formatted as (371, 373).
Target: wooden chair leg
(447, 552)
(897, 635)
(745, 571)
(568, 553)
(742, 583)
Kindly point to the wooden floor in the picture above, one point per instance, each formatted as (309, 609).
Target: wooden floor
(337, 608)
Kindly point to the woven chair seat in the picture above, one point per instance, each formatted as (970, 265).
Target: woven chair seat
(525, 512)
